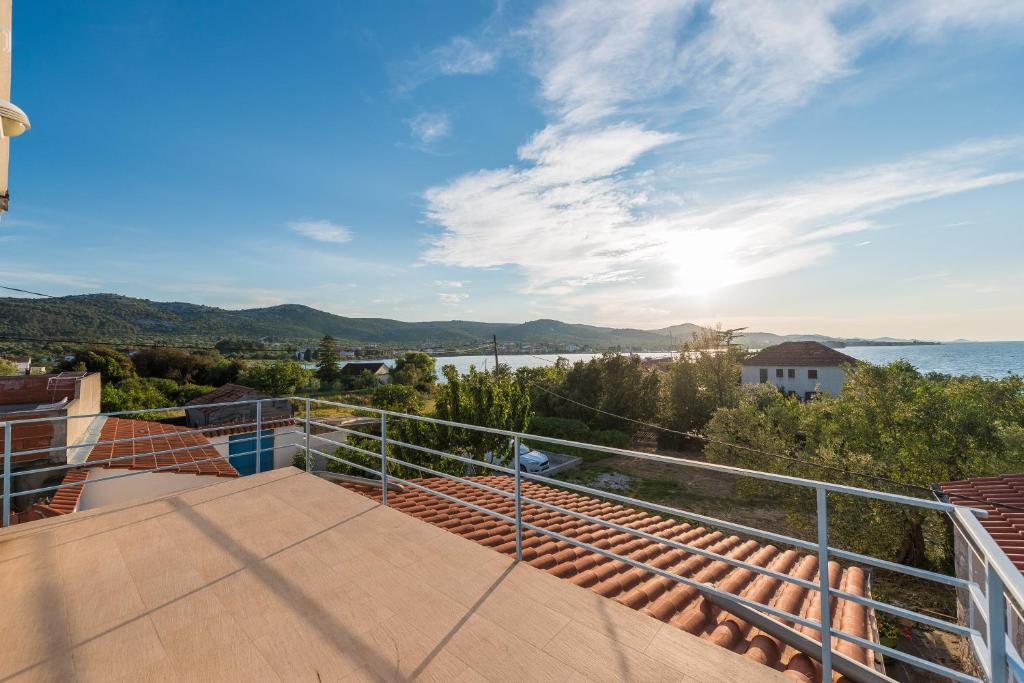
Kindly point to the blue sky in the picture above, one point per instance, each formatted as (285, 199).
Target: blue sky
(844, 167)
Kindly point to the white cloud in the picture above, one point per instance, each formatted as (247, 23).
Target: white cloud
(451, 284)
(322, 231)
(594, 206)
(567, 234)
(452, 298)
(464, 56)
(429, 127)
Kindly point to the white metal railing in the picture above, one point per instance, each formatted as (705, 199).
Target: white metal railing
(998, 590)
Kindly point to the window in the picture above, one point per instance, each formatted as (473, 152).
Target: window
(763, 375)
(792, 373)
(812, 374)
(778, 372)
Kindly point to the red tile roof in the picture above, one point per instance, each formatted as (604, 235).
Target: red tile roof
(800, 354)
(1006, 526)
(164, 437)
(661, 598)
(226, 393)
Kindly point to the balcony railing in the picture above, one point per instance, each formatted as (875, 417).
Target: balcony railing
(993, 590)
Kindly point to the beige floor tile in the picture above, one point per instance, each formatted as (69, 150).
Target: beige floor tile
(216, 649)
(119, 653)
(598, 657)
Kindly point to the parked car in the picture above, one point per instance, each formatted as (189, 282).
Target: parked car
(530, 460)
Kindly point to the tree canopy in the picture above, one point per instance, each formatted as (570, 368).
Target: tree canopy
(889, 424)
(415, 369)
(327, 357)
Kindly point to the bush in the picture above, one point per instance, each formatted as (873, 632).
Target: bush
(576, 430)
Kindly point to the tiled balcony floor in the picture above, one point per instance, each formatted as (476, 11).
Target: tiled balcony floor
(285, 576)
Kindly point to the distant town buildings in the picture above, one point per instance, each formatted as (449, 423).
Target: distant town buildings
(801, 368)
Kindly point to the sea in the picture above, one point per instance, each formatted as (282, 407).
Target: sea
(988, 359)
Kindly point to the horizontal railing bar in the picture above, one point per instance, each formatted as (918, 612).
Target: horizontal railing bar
(675, 544)
(94, 463)
(458, 501)
(908, 658)
(897, 567)
(452, 477)
(130, 473)
(786, 616)
(685, 462)
(132, 439)
(345, 462)
(100, 465)
(167, 409)
(906, 613)
(336, 428)
(698, 585)
(352, 448)
(443, 454)
(739, 528)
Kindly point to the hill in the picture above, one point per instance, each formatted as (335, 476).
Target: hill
(127, 320)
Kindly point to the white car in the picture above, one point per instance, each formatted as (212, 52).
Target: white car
(530, 460)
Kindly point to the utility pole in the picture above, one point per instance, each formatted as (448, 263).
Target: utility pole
(495, 339)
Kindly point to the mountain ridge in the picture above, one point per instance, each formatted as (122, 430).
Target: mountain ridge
(122, 319)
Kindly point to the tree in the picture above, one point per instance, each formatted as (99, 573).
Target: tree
(278, 378)
(113, 365)
(703, 378)
(498, 400)
(7, 367)
(327, 358)
(397, 398)
(889, 424)
(415, 369)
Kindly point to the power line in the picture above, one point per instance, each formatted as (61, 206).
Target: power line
(831, 468)
(26, 291)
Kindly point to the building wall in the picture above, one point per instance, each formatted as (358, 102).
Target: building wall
(5, 83)
(830, 379)
(143, 486)
(86, 402)
(284, 444)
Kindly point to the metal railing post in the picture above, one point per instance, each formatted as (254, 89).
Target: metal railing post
(309, 466)
(823, 586)
(518, 500)
(995, 593)
(7, 474)
(383, 459)
(259, 433)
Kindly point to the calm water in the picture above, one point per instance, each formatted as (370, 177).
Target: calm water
(989, 359)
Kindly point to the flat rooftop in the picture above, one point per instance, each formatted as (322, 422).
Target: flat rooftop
(285, 576)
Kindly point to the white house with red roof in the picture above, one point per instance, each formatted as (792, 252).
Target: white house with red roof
(802, 368)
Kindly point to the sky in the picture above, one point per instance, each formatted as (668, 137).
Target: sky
(844, 167)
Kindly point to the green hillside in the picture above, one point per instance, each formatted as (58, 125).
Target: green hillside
(111, 317)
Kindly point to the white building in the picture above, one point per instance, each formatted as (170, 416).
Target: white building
(801, 368)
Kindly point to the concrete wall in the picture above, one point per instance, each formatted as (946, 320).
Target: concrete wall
(143, 486)
(830, 379)
(85, 402)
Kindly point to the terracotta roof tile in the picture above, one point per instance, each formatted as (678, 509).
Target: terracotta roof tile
(800, 354)
(671, 602)
(1005, 525)
(162, 437)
